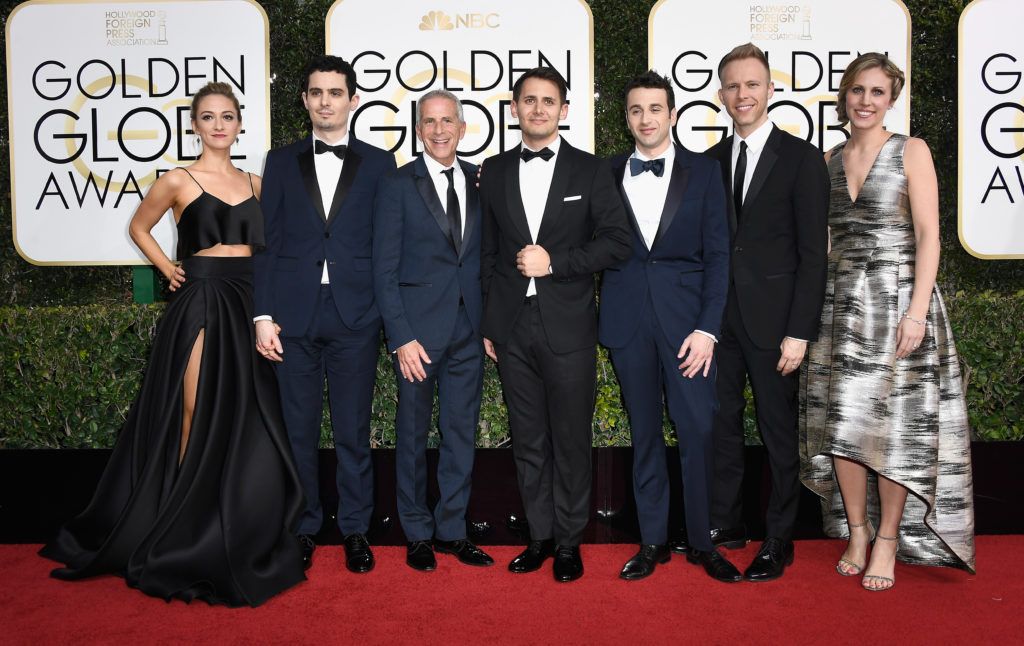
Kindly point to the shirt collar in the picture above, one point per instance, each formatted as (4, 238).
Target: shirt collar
(435, 167)
(757, 139)
(553, 146)
(669, 155)
(344, 140)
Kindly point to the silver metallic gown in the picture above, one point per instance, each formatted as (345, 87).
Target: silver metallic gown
(903, 418)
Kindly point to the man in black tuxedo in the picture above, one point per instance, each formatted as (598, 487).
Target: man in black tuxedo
(661, 313)
(316, 313)
(551, 219)
(778, 189)
(426, 274)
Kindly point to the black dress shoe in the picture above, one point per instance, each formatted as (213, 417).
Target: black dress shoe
(420, 556)
(358, 557)
(771, 560)
(308, 547)
(680, 545)
(643, 563)
(568, 563)
(732, 538)
(465, 551)
(717, 566)
(532, 557)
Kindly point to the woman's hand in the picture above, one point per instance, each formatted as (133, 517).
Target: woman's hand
(909, 334)
(176, 277)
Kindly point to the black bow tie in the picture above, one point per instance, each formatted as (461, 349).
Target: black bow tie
(637, 166)
(320, 147)
(544, 153)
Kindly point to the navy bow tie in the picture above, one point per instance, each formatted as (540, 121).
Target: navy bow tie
(544, 153)
(320, 147)
(637, 166)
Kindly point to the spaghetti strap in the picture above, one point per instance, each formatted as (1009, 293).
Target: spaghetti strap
(251, 187)
(194, 179)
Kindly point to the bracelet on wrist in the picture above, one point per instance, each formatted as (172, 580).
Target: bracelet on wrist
(921, 322)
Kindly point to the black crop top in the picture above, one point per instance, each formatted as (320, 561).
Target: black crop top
(209, 220)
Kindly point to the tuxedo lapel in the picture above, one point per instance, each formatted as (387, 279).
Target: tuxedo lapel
(472, 205)
(725, 160)
(348, 175)
(514, 197)
(676, 189)
(556, 191)
(425, 186)
(764, 167)
(619, 172)
(308, 171)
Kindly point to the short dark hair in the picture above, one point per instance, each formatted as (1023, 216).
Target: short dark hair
(740, 52)
(544, 73)
(330, 63)
(654, 81)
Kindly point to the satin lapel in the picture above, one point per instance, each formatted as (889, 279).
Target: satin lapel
(764, 167)
(619, 172)
(556, 192)
(308, 171)
(425, 186)
(348, 175)
(676, 190)
(472, 205)
(726, 162)
(514, 197)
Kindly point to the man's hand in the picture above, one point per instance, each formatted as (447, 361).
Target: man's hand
(792, 355)
(411, 358)
(698, 349)
(489, 350)
(533, 261)
(268, 343)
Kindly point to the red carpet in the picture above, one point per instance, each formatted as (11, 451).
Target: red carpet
(457, 604)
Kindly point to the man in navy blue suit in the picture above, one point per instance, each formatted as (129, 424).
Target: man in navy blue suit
(314, 301)
(661, 312)
(426, 275)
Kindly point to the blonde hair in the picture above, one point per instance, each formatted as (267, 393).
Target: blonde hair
(868, 61)
(212, 88)
(740, 52)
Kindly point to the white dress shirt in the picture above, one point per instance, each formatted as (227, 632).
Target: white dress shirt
(328, 172)
(534, 184)
(755, 144)
(647, 192)
(436, 172)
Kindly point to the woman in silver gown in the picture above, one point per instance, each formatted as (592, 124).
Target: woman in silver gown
(882, 404)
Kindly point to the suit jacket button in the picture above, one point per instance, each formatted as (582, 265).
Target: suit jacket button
(319, 263)
(327, 234)
(738, 248)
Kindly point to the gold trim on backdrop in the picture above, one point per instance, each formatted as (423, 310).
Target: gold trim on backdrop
(11, 129)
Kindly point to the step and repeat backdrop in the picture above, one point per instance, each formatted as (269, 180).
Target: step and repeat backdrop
(98, 92)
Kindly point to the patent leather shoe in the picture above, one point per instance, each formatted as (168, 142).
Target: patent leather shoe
(771, 560)
(465, 551)
(358, 556)
(308, 547)
(568, 563)
(420, 556)
(717, 566)
(532, 557)
(680, 545)
(731, 538)
(643, 563)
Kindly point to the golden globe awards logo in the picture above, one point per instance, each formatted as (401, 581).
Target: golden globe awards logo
(440, 21)
(135, 27)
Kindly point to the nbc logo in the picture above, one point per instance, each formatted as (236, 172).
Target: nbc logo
(436, 20)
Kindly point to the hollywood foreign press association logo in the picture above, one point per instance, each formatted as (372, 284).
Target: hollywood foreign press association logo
(440, 21)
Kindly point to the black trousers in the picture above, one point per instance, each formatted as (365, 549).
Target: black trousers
(550, 399)
(775, 402)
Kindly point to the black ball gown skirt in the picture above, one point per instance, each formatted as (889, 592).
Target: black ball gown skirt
(219, 526)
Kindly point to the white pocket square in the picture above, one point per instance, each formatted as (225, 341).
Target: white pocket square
(573, 198)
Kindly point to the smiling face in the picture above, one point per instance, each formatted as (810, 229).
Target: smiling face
(868, 99)
(539, 109)
(217, 122)
(439, 129)
(649, 119)
(746, 90)
(329, 102)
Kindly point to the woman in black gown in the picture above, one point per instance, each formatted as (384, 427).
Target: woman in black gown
(200, 496)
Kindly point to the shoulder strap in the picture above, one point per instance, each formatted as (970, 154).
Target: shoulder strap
(194, 179)
(251, 187)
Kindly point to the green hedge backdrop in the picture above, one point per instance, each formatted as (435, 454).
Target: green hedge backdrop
(73, 347)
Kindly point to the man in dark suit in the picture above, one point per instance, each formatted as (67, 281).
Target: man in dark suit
(426, 274)
(778, 189)
(551, 218)
(314, 301)
(661, 313)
